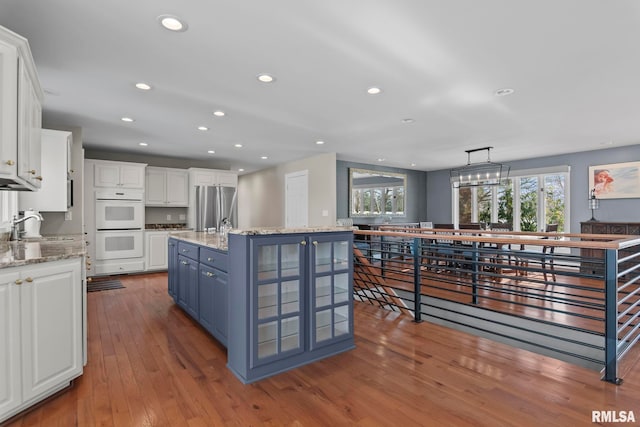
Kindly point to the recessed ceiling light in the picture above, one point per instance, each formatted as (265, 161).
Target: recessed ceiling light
(219, 113)
(264, 157)
(142, 144)
(504, 91)
(413, 165)
(211, 152)
(607, 143)
(143, 86)
(266, 78)
(127, 119)
(373, 90)
(241, 170)
(237, 145)
(203, 128)
(380, 159)
(319, 142)
(408, 120)
(172, 23)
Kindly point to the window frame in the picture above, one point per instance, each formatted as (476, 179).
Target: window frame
(515, 176)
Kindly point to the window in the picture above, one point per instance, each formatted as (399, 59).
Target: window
(528, 199)
(375, 193)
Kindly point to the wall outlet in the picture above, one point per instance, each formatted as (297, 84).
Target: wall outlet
(68, 216)
(325, 212)
(168, 217)
(182, 217)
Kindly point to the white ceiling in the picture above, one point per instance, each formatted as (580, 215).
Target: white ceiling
(574, 65)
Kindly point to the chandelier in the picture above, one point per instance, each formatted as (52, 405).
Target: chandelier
(479, 174)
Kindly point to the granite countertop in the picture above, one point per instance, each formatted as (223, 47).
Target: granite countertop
(283, 230)
(213, 240)
(166, 227)
(44, 249)
(217, 241)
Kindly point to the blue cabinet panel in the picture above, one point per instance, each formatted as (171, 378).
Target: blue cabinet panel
(297, 292)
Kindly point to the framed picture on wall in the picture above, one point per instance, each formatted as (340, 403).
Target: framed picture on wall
(615, 181)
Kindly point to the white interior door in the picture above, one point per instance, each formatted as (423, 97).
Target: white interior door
(297, 199)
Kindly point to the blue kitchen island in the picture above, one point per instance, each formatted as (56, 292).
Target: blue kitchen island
(277, 298)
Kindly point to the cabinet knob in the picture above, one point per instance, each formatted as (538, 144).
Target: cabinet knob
(39, 178)
(209, 259)
(185, 250)
(303, 243)
(185, 263)
(10, 162)
(209, 274)
(315, 243)
(32, 171)
(18, 282)
(29, 279)
(89, 279)
(88, 262)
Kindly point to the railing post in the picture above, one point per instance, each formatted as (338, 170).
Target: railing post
(474, 273)
(417, 291)
(382, 256)
(611, 316)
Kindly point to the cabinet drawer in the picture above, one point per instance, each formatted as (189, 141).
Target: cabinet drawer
(188, 250)
(119, 266)
(214, 258)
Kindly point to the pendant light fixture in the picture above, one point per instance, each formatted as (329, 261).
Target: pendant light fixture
(479, 174)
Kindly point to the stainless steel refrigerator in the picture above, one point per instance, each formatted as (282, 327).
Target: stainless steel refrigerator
(213, 205)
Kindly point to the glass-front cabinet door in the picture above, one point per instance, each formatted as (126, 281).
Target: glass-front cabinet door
(278, 273)
(331, 290)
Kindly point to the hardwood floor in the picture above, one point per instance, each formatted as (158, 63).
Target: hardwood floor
(151, 365)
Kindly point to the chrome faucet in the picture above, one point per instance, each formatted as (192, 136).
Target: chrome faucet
(16, 221)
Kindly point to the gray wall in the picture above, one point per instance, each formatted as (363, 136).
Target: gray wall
(624, 210)
(416, 196)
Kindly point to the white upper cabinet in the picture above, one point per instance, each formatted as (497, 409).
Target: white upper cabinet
(20, 115)
(177, 187)
(118, 174)
(213, 177)
(52, 196)
(166, 187)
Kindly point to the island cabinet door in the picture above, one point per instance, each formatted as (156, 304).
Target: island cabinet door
(187, 285)
(172, 262)
(221, 307)
(206, 297)
(331, 289)
(213, 302)
(277, 309)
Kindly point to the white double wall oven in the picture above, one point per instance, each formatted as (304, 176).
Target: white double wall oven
(119, 215)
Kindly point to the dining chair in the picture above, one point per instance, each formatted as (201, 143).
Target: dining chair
(466, 252)
(444, 248)
(501, 226)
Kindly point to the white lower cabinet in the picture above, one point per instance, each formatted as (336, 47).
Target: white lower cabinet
(156, 254)
(41, 315)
